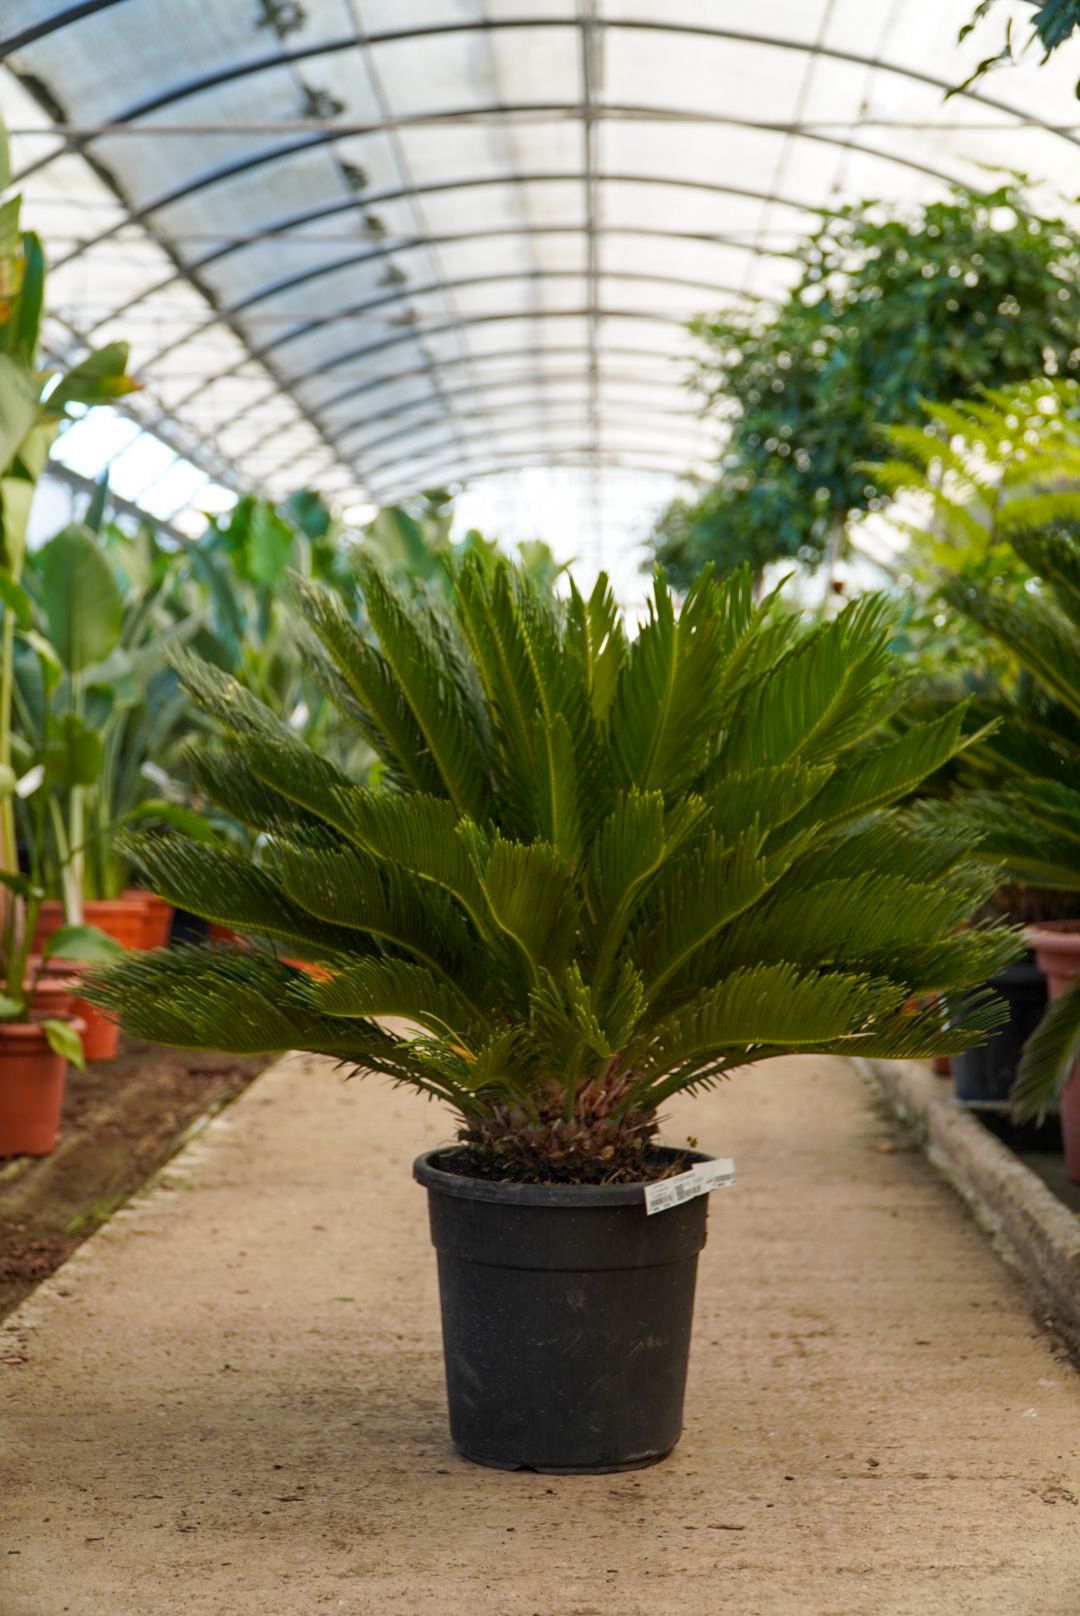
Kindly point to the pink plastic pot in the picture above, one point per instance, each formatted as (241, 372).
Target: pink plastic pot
(1057, 954)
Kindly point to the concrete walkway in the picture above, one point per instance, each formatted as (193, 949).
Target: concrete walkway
(230, 1402)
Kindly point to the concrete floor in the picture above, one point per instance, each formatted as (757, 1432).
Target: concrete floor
(230, 1402)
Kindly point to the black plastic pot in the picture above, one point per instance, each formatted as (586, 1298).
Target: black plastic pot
(566, 1316)
(984, 1076)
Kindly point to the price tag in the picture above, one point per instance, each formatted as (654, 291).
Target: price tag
(702, 1177)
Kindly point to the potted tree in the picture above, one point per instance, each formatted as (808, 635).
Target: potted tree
(596, 871)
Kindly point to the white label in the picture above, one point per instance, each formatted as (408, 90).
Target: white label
(702, 1177)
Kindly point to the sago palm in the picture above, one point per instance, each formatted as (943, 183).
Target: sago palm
(595, 870)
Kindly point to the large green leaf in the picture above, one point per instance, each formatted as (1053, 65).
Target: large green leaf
(81, 599)
(18, 406)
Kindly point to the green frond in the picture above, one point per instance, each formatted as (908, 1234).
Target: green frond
(366, 691)
(422, 834)
(230, 889)
(225, 778)
(1049, 1058)
(846, 920)
(1048, 541)
(941, 1027)
(417, 646)
(350, 888)
(878, 776)
(830, 690)
(531, 894)
(1040, 637)
(762, 1007)
(216, 998)
(371, 988)
(769, 797)
(963, 960)
(663, 718)
(596, 643)
(696, 897)
(223, 696)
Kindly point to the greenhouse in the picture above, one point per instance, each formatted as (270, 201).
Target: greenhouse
(539, 807)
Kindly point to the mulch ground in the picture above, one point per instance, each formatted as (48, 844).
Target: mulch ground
(122, 1120)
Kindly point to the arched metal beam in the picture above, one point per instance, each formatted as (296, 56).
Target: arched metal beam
(582, 459)
(532, 380)
(465, 437)
(733, 36)
(413, 333)
(433, 289)
(536, 407)
(256, 160)
(50, 25)
(352, 204)
(456, 362)
(646, 316)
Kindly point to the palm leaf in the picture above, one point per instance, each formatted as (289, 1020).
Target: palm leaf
(1049, 1058)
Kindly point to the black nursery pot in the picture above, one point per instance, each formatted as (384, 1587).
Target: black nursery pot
(985, 1075)
(566, 1315)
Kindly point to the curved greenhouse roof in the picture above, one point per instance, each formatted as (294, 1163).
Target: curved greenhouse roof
(376, 245)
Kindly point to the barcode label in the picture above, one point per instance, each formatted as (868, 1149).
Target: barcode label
(700, 1180)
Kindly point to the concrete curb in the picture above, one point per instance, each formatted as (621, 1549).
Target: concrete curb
(1030, 1226)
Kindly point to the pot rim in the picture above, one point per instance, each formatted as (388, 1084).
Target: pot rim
(462, 1188)
(31, 1030)
(1063, 935)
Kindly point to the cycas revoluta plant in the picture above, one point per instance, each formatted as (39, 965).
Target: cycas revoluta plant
(597, 870)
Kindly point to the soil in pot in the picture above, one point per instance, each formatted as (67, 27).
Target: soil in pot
(1057, 952)
(566, 1315)
(985, 1075)
(31, 1089)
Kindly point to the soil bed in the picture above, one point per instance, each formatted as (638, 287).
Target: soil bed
(122, 1119)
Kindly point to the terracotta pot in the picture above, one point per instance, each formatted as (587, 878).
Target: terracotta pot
(157, 916)
(119, 918)
(31, 1089)
(101, 1039)
(216, 933)
(54, 990)
(1057, 954)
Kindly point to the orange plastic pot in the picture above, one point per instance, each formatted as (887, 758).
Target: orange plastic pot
(123, 919)
(101, 1035)
(31, 1089)
(54, 991)
(1057, 954)
(157, 916)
